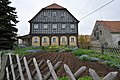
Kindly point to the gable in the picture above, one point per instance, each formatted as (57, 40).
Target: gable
(54, 13)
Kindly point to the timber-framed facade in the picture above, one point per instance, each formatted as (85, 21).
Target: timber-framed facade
(53, 25)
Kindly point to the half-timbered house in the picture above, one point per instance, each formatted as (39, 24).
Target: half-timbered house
(53, 25)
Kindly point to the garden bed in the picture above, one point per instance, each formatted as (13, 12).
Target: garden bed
(73, 62)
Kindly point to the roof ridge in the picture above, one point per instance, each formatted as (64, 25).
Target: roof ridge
(54, 6)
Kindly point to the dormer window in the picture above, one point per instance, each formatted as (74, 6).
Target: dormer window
(36, 26)
(54, 26)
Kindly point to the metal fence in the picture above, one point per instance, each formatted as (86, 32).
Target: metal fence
(18, 72)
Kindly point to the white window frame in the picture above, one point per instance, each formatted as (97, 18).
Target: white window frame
(54, 26)
(44, 40)
(63, 40)
(63, 26)
(72, 26)
(35, 40)
(36, 26)
(54, 40)
(45, 26)
(72, 39)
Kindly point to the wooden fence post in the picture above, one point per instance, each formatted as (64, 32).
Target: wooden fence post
(55, 67)
(80, 71)
(12, 67)
(27, 68)
(69, 73)
(37, 69)
(0, 60)
(52, 70)
(19, 67)
(7, 72)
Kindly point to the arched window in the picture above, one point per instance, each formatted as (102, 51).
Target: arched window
(119, 43)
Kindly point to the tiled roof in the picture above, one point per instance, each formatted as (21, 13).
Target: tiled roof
(113, 26)
(54, 6)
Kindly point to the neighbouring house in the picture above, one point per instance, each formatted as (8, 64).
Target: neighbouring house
(52, 25)
(106, 33)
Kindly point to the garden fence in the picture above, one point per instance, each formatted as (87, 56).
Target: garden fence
(18, 72)
(112, 50)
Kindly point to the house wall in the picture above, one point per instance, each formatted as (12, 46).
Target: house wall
(104, 34)
(115, 38)
(72, 43)
(49, 40)
(55, 43)
(66, 40)
(35, 43)
(45, 43)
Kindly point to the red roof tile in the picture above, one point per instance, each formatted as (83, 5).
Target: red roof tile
(54, 6)
(113, 26)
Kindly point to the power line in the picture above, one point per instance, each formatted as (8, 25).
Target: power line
(97, 9)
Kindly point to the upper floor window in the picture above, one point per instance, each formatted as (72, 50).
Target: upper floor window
(72, 40)
(36, 26)
(54, 26)
(72, 26)
(119, 43)
(45, 26)
(100, 32)
(53, 39)
(54, 13)
(63, 26)
(36, 40)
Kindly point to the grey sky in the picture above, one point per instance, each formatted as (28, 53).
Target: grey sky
(27, 9)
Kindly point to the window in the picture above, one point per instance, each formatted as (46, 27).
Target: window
(100, 32)
(45, 40)
(119, 43)
(54, 26)
(63, 39)
(72, 40)
(35, 40)
(45, 26)
(54, 13)
(97, 35)
(35, 26)
(63, 26)
(72, 26)
(53, 39)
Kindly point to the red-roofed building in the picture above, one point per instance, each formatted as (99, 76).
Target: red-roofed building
(106, 33)
(52, 25)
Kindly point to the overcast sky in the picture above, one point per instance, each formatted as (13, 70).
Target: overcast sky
(27, 9)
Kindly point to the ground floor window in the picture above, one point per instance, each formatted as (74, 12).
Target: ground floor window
(72, 40)
(35, 40)
(53, 39)
(45, 40)
(63, 39)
